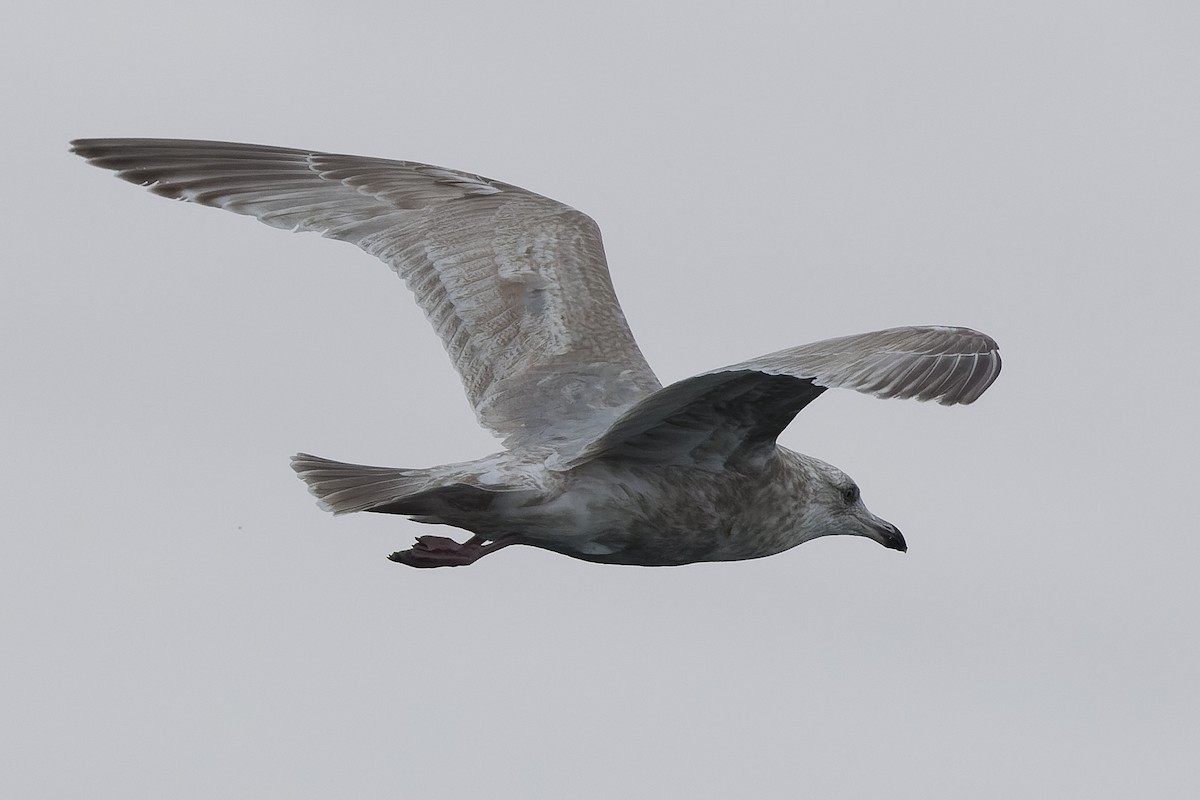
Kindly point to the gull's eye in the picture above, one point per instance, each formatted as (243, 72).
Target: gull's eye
(850, 495)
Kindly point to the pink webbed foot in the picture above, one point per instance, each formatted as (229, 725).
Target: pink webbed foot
(440, 551)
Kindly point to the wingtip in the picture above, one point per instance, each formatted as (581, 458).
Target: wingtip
(82, 146)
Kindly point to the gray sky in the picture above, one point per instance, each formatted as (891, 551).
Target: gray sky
(181, 620)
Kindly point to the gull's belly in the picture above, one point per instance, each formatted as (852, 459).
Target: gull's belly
(654, 516)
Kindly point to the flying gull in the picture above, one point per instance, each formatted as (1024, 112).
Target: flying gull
(601, 462)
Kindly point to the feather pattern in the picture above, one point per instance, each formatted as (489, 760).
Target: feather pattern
(515, 284)
(735, 413)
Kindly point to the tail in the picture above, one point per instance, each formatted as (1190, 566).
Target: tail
(343, 488)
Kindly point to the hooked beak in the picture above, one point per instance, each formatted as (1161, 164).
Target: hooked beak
(889, 536)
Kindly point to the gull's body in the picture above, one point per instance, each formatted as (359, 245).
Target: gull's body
(601, 462)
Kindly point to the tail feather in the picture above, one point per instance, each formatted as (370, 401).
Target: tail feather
(342, 488)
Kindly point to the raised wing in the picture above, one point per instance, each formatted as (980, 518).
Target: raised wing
(737, 412)
(514, 283)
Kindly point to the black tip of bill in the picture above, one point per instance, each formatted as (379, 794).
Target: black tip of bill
(894, 540)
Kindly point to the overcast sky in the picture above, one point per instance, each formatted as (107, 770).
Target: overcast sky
(180, 620)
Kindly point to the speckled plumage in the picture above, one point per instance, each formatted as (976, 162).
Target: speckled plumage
(601, 462)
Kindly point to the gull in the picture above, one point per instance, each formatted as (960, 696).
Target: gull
(601, 462)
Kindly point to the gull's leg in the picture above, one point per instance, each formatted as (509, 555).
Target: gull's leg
(439, 551)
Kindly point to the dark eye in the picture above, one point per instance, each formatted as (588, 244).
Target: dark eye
(850, 495)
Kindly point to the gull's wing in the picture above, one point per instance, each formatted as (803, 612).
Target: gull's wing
(737, 412)
(515, 284)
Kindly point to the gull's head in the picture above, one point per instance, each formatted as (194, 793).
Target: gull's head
(836, 508)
